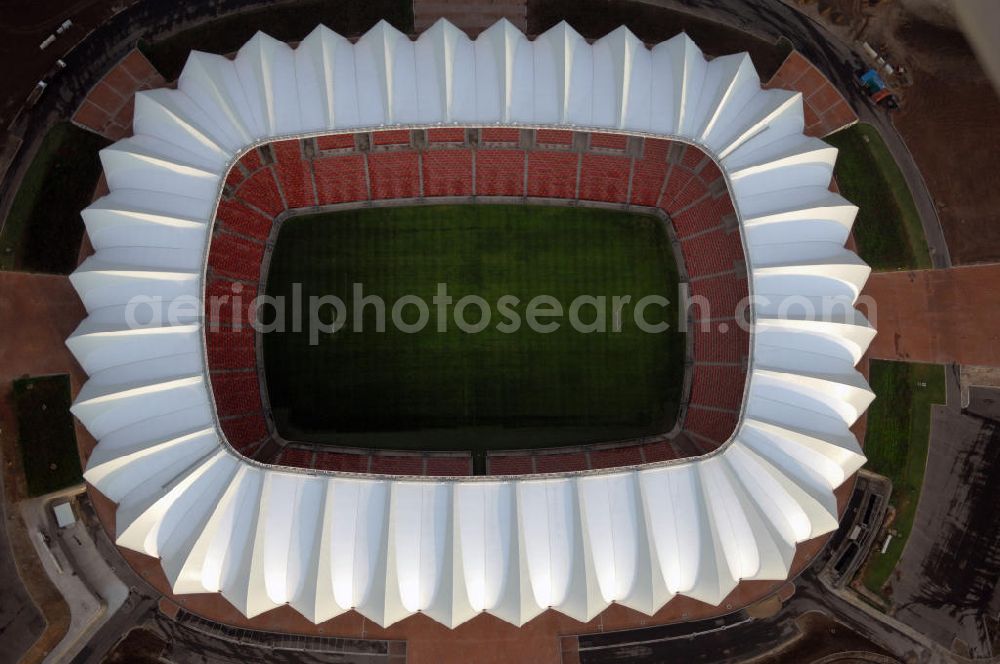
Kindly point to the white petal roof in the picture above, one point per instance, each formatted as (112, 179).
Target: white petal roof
(325, 543)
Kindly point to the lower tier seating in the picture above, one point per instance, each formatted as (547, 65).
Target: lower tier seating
(453, 161)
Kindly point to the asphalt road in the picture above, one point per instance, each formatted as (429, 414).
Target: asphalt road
(950, 569)
(21, 623)
(192, 646)
(737, 641)
(139, 607)
(772, 19)
(740, 640)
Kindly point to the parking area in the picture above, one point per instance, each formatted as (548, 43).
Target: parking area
(945, 585)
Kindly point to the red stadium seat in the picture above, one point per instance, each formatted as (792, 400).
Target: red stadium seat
(231, 348)
(236, 392)
(340, 179)
(711, 253)
(391, 137)
(552, 174)
(295, 457)
(235, 176)
(387, 464)
(394, 174)
(251, 161)
(649, 172)
(500, 135)
(234, 256)
(560, 463)
(702, 216)
(604, 178)
(500, 173)
(690, 193)
(710, 173)
(629, 455)
(294, 174)
(244, 432)
(692, 158)
(658, 451)
(342, 461)
(440, 465)
(608, 141)
(677, 179)
(335, 142)
(261, 191)
(720, 386)
(510, 464)
(719, 297)
(241, 219)
(713, 425)
(447, 172)
(228, 302)
(714, 345)
(553, 137)
(446, 135)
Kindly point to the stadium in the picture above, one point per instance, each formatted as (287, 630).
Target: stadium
(697, 487)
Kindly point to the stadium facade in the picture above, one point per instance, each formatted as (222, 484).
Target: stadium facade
(388, 547)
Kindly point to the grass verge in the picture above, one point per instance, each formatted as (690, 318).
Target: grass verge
(45, 433)
(899, 423)
(285, 22)
(43, 231)
(888, 229)
(489, 389)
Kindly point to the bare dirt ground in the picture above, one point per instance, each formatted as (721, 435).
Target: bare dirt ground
(937, 316)
(37, 312)
(822, 637)
(140, 646)
(949, 122)
(948, 115)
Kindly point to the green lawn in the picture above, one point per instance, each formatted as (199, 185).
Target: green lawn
(43, 231)
(485, 390)
(887, 229)
(286, 22)
(45, 433)
(896, 446)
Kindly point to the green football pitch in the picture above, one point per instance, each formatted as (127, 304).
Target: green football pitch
(504, 387)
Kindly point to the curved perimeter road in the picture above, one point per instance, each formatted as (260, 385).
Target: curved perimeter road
(21, 623)
(772, 19)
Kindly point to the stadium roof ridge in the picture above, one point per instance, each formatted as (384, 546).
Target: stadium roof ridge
(326, 543)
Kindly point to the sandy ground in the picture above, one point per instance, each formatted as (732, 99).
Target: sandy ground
(948, 115)
(37, 312)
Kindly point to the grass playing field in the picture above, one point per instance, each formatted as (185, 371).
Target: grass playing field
(887, 230)
(43, 230)
(492, 389)
(899, 427)
(46, 434)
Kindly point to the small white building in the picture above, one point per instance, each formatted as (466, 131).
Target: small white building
(64, 514)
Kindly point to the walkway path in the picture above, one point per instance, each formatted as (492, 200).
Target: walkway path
(938, 316)
(21, 623)
(77, 569)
